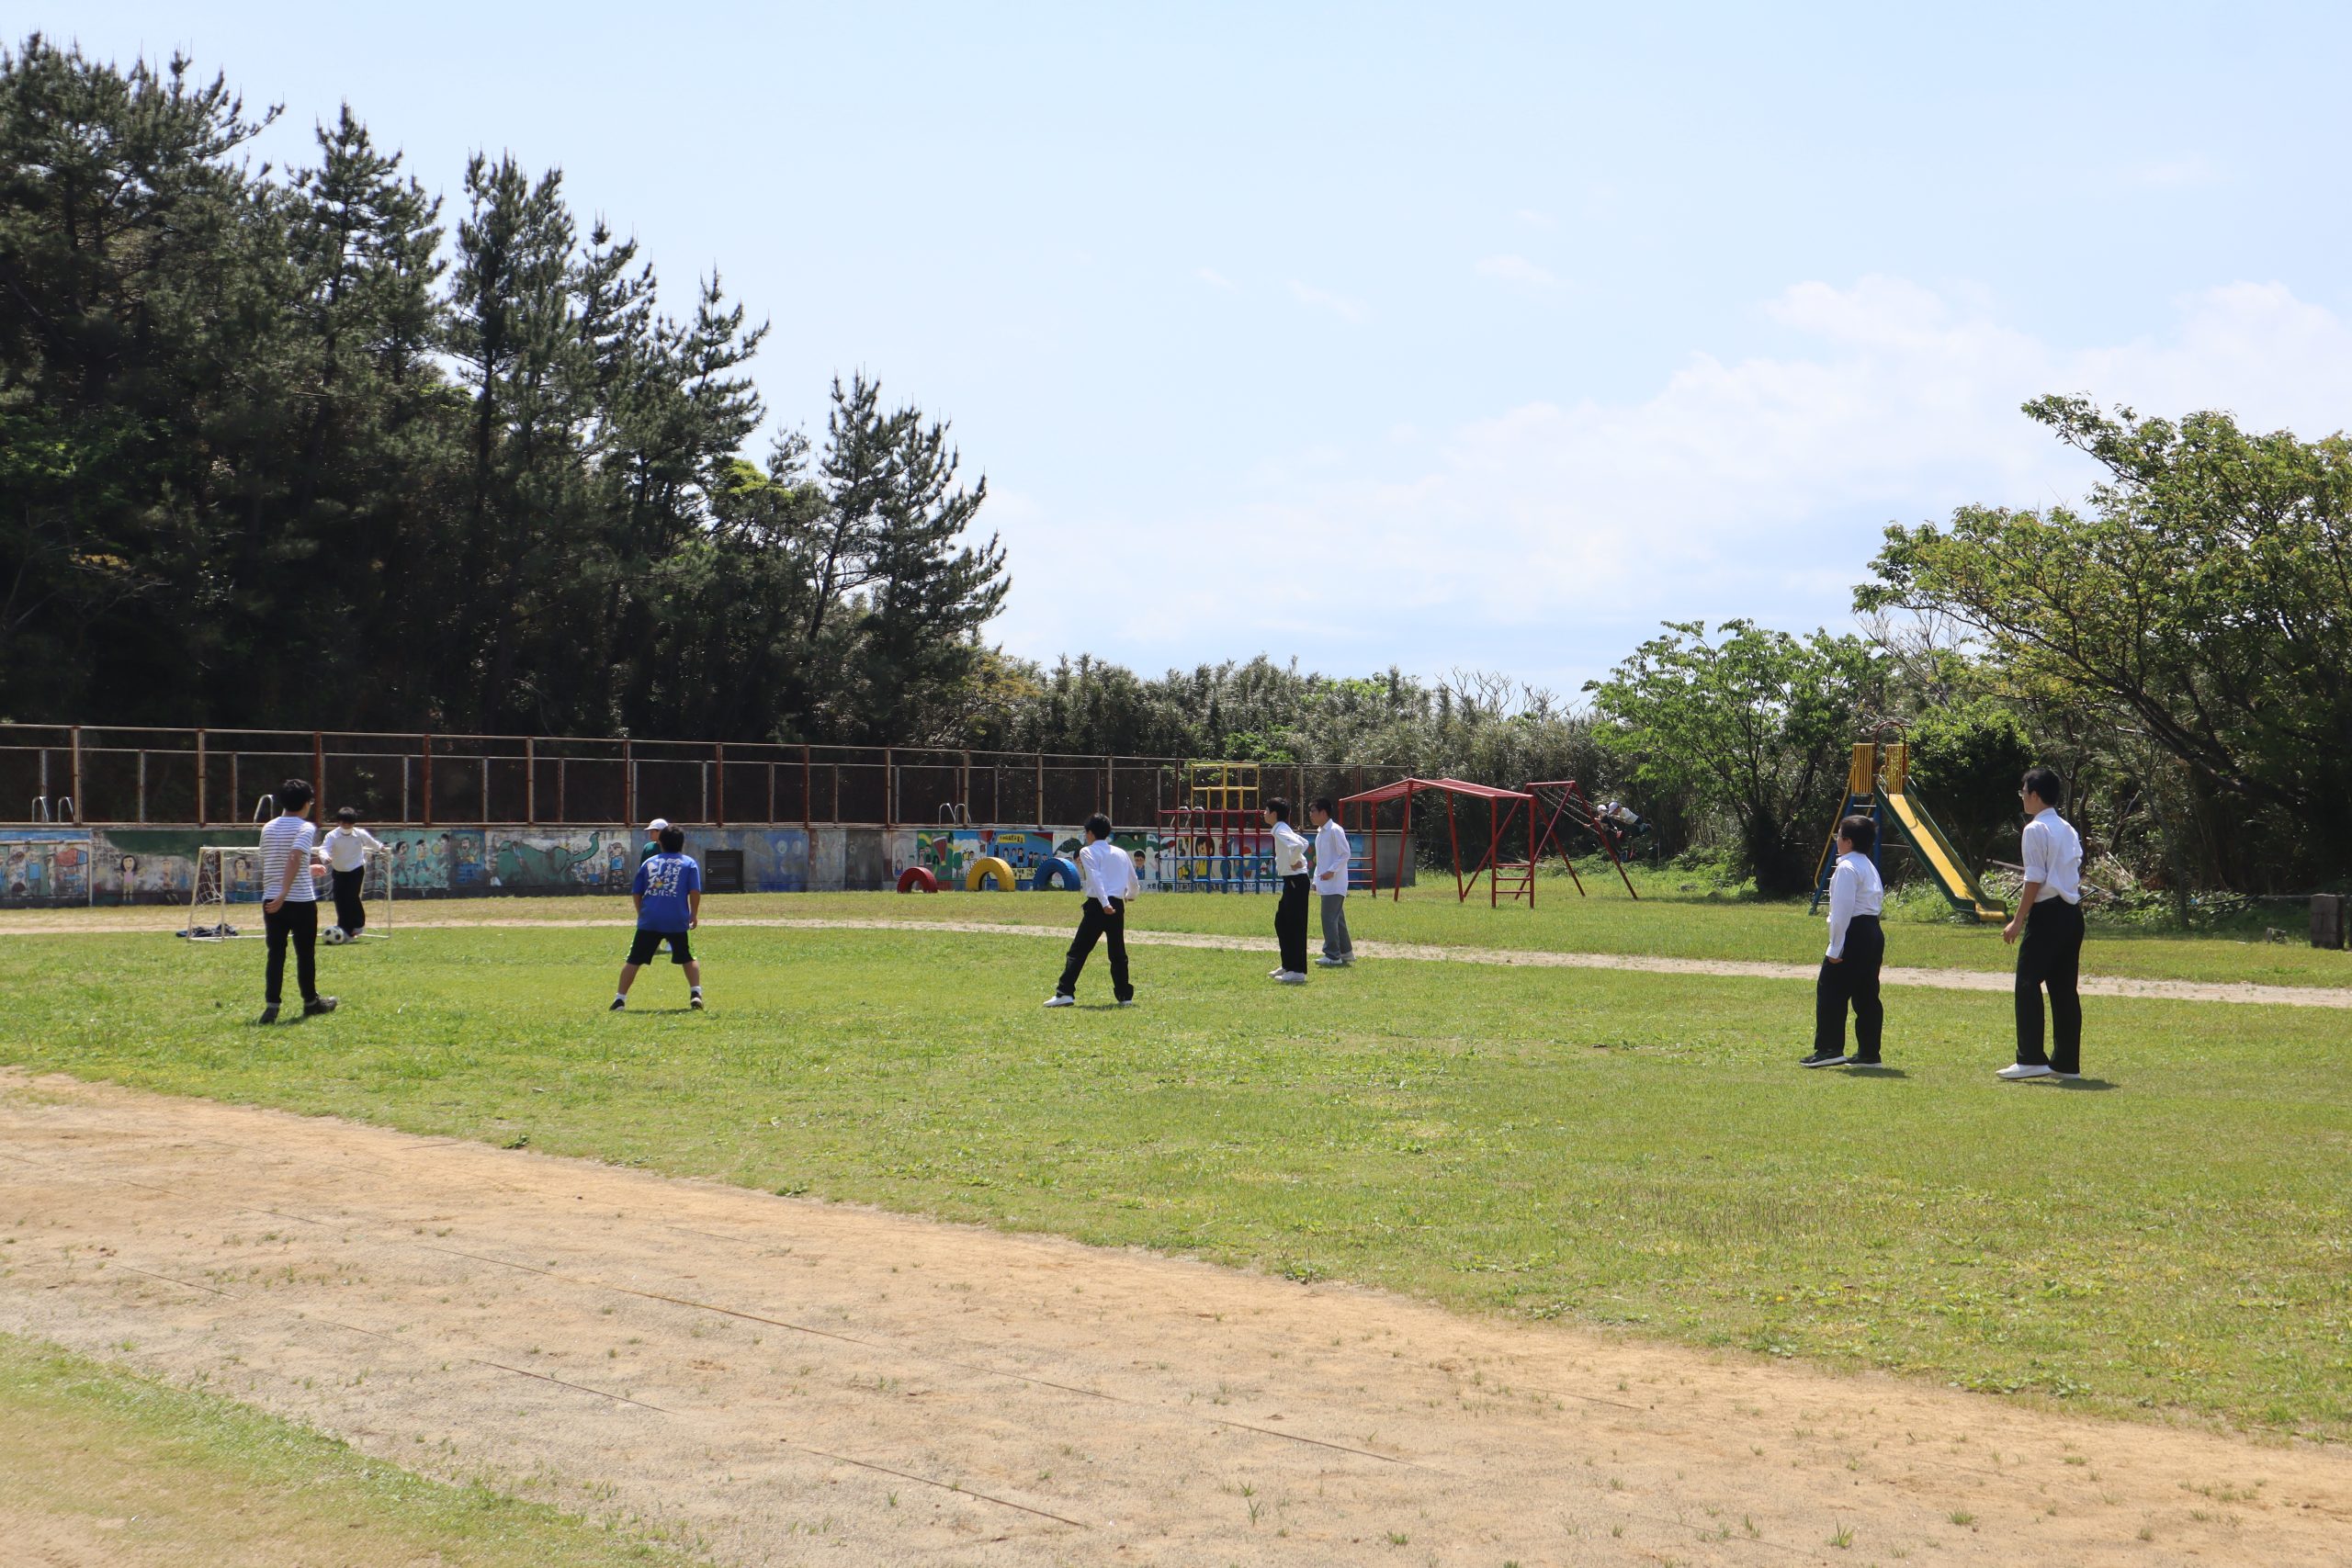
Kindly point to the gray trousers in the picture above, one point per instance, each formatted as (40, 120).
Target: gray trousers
(1336, 942)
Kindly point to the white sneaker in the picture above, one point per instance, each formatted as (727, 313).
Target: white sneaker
(1276, 973)
(2065, 1077)
(1059, 1000)
(1329, 962)
(1293, 977)
(1129, 1003)
(2017, 1072)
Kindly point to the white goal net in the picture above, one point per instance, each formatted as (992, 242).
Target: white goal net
(226, 900)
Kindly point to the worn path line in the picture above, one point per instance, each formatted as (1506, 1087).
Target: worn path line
(2242, 992)
(1047, 1404)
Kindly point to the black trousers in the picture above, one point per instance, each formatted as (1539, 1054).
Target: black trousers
(350, 909)
(2050, 955)
(1853, 980)
(1289, 923)
(1094, 922)
(297, 920)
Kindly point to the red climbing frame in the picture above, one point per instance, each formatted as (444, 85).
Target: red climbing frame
(1503, 806)
(1565, 805)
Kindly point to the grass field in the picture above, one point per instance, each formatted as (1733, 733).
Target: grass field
(107, 1463)
(2173, 1236)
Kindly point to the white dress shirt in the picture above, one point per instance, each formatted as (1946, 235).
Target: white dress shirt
(1104, 871)
(1290, 850)
(1332, 852)
(1854, 889)
(345, 849)
(2053, 857)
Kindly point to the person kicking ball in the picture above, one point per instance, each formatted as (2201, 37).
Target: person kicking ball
(668, 891)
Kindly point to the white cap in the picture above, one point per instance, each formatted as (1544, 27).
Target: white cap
(657, 824)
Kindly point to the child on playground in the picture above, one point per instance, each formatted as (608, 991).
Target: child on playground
(1331, 853)
(1107, 879)
(668, 892)
(289, 909)
(1857, 951)
(2050, 918)
(344, 849)
(1290, 915)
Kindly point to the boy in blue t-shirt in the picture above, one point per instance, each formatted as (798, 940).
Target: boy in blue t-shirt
(668, 891)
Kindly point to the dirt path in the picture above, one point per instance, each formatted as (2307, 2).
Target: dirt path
(1931, 979)
(781, 1377)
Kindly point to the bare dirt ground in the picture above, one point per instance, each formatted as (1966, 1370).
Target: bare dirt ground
(789, 1382)
(160, 920)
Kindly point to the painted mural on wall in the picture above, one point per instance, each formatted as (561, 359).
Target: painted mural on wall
(948, 853)
(46, 867)
(776, 860)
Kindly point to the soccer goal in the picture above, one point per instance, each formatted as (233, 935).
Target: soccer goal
(231, 874)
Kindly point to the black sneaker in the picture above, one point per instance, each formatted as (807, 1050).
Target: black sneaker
(1864, 1061)
(1825, 1059)
(695, 1002)
(318, 1005)
(620, 1004)
(269, 1014)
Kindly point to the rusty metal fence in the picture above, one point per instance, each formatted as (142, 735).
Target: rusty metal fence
(113, 776)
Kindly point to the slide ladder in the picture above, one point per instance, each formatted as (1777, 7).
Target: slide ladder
(1862, 800)
(1928, 840)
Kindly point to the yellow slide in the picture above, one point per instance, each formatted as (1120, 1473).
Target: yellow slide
(1928, 840)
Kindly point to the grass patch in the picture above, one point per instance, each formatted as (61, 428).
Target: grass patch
(107, 1465)
(1617, 1149)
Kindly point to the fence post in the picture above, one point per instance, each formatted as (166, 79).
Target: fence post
(889, 788)
(142, 784)
(530, 782)
(319, 769)
(1040, 801)
(629, 788)
(808, 794)
(75, 773)
(425, 778)
(1109, 787)
(718, 750)
(200, 778)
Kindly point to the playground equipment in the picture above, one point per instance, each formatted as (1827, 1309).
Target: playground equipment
(981, 870)
(917, 879)
(1562, 807)
(1217, 840)
(1503, 806)
(1056, 872)
(1878, 785)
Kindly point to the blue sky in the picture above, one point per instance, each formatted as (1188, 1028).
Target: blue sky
(1371, 335)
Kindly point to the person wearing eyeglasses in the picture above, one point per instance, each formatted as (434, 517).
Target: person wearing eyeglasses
(2050, 922)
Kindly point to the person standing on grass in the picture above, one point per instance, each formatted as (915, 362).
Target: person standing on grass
(1290, 915)
(289, 907)
(1857, 949)
(2050, 918)
(1331, 853)
(1107, 878)
(668, 891)
(344, 849)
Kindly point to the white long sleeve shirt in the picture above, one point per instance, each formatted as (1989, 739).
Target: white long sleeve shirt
(1290, 850)
(345, 849)
(1854, 889)
(1331, 853)
(2052, 854)
(1105, 872)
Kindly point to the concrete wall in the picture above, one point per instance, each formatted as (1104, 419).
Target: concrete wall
(65, 867)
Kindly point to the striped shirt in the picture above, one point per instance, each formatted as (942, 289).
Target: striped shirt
(279, 837)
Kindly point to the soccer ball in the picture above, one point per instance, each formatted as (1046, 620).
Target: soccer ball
(336, 936)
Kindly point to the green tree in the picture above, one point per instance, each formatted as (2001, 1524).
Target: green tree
(1754, 723)
(2201, 599)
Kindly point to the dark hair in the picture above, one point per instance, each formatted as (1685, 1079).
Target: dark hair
(1280, 807)
(1323, 803)
(1859, 832)
(1097, 825)
(2046, 784)
(346, 813)
(293, 794)
(674, 840)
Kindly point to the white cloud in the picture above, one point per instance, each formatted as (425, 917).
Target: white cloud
(2171, 173)
(1322, 299)
(1517, 269)
(1546, 538)
(1216, 279)
(1535, 219)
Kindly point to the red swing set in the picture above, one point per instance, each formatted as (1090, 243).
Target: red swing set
(1550, 811)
